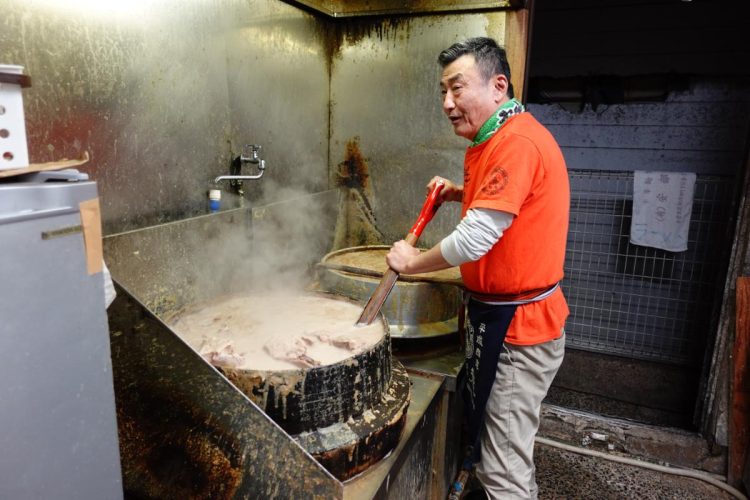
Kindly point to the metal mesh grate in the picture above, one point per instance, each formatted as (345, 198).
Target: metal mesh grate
(635, 301)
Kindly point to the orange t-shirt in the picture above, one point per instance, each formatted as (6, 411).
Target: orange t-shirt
(521, 170)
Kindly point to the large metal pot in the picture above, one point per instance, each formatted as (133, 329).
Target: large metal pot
(418, 306)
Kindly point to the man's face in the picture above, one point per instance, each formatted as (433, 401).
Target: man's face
(467, 99)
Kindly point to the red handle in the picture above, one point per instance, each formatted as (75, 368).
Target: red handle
(428, 209)
(375, 303)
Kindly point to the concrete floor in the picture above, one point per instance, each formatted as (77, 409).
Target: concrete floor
(565, 475)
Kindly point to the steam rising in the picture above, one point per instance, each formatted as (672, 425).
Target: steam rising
(289, 237)
(264, 248)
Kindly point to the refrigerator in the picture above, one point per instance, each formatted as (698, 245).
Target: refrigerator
(58, 430)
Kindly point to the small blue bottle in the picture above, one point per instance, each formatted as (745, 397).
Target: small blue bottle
(214, 199)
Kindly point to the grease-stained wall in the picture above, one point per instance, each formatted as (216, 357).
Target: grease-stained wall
(385, 97)
(163, 95)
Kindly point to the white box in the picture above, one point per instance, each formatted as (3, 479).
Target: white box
(14, 150)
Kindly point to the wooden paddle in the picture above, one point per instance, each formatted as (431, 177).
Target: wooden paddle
(378, 297)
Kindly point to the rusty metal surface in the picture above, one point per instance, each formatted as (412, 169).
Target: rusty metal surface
(349, 8)
(385, 92)
(186, 432)
(355, 224)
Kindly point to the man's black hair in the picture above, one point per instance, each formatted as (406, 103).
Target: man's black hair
(490, 57)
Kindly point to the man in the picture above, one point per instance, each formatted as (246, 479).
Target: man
(510, 245)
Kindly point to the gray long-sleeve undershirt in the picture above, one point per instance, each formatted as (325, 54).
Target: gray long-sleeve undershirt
(475, 235)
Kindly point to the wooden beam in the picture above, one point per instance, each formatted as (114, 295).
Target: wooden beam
(739, 424)
(516, 41)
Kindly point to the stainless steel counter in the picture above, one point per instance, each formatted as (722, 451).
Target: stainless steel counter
(447, 450)
(446, 365)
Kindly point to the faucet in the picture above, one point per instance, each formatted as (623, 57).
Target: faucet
(250, 154)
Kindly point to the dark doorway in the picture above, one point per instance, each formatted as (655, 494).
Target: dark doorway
(628, 85)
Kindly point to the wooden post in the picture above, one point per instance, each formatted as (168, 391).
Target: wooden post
(739, 423)
(517, 47)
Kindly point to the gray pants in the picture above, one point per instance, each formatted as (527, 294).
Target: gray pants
(524, 374)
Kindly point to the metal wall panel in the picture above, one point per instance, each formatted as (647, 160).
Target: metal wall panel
(385, 94)
(164, 94)
(347, 8)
